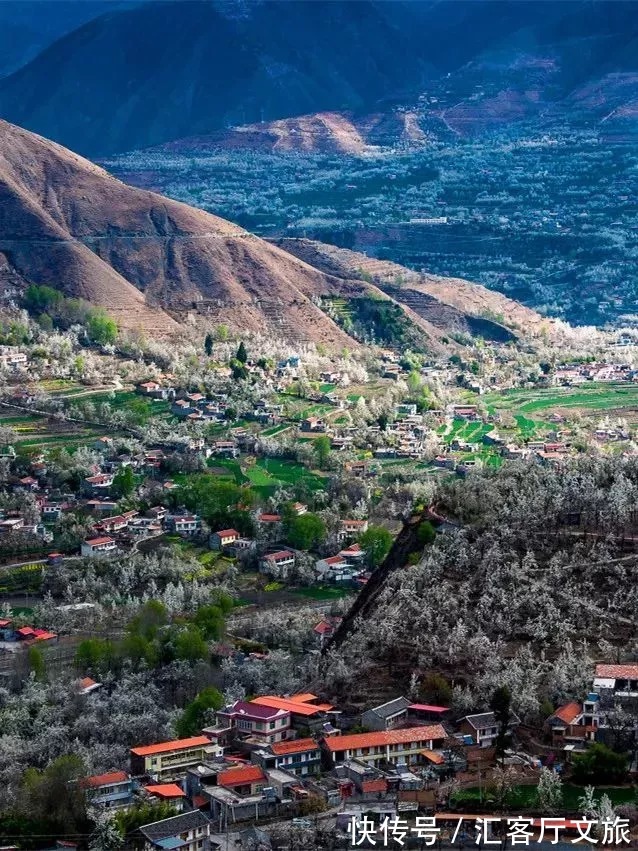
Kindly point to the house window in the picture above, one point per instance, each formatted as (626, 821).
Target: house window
(271, 726)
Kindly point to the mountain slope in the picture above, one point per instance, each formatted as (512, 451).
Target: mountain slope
(446, 304)
(29, 26)
(166, 70)
(325, 132)
(139, 77)
(67, 223)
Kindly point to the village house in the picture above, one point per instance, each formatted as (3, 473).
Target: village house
(483, 728)
(253, 721)
(336, 569)
(306, 713)
(616, 681)
(169, 760)
(362, 778)
(352, 528)
(388, 746)
(110, 791)
(226, 448)
(326, 628)
(170, 793)
(97, 546)
(313, 424)
(465, 412)
(187, 832)
(11, 358)
(387, 715)
(567, 728)
(222, 538)
(243, 780)
(279, 565)
(183, 524)
(115, 524)
(298, 756)
(99, 483)
(11, 524)
(330, 376)
(103, 444)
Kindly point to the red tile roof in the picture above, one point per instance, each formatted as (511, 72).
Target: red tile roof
(289, 704)
(166, 790)
(617, 672)
(568, 712)
(294, 746)
(105, 779)
(323, 627)
(93, 542)
(240, 776)
(388, 737)
(426, 707)
(282, 554)
(270, 518)
(166, 747)
(227, 533)
(433, 756)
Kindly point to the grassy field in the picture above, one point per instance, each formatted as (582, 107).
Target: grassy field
(266, 475)
(592, 396)
(324, 592)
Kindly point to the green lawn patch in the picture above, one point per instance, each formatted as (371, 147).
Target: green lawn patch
(323, 592)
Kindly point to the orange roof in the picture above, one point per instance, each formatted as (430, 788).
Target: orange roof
(289, 704)
(304, 697)
(294, 746)
(177, 744)
(620, 672)
(240, 776)
(568, 712)
(105, 779)
(166, 790)
(87, 682)
(433, 756)
(387, 737)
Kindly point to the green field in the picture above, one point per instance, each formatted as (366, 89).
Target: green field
(269, 474)
(592, 396)
(324, 592)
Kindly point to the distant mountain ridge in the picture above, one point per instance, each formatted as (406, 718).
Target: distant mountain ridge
(144, 76)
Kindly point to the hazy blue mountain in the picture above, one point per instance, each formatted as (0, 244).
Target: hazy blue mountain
(138, 77)
(29, 26)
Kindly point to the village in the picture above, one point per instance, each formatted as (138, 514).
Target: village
(270, 486)
(299, 761)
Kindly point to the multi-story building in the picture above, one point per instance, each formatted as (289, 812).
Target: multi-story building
(297, 756)
(306, 712)
(388, 715)
(168, 760)
(392, 746)
(186, 832)
(111, 791)
(616, 682)
(98, 546)
(250, 720)
(484, 727)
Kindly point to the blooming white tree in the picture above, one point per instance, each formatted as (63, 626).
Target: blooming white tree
(550, 790)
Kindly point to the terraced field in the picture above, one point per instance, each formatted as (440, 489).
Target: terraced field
(589, 397)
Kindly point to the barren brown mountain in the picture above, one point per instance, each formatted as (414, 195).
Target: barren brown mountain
(443, 305)
(146, 259)
(151, 261)
(325, 132)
